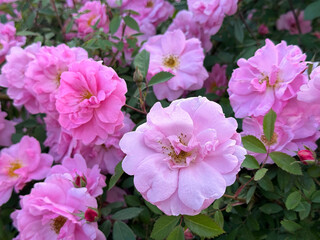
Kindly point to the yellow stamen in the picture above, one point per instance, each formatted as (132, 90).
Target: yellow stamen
(91, 19)
(149, 4)
(272, 141)
(58, 223)
(14, 166)
(171, 61)
(86, 95)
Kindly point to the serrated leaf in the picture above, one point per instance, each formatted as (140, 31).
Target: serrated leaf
(286, 163)
(250, 162)
(268, 124)
(163, 226)
(160, 78)
(290, 226)
(266, 184)
(270, 208)
(153, 208)
(141, 61)
(176, 234)
(127, 213)
(218, 218)
(116, 176)
(114, 24)
(293, 200)
(253, 144)
(203, 226)
(250, 193)
(131, 23)
(122, 231)
(260, 174)
(312, 11)
(106, 228)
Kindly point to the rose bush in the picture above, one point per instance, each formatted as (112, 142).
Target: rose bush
(159, 119)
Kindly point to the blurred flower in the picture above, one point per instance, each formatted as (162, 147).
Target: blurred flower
(217, 81)
(287, 22)
(263, 29)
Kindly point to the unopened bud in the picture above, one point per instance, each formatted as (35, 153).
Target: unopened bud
(80, 181)
(138, 77)
(306, 155)
(91, 215)
(187, 234)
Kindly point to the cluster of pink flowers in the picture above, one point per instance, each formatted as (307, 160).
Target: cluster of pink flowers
(8, 39)
(180, 151)
(275, 78)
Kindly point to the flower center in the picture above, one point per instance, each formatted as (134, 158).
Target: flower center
(149, 4)
(14, 166)
(58, 223)
(91, 19)
(213, 87)
(179, 159)
(171, 61)
(1, 46)
(272, 141)
(263, 79)
(86, 95)
(58, 78)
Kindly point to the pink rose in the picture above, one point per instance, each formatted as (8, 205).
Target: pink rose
(267, 80)
(6, 130)
(89, 101)
(43, 73)
(180, 151)
(52, 209)
(217, 81)
(13, 77)
(8, 39)
(185, 21)
(96, 12)
(263, 29)
(76, 170)
(21, 163)
(288, 22)
(171, 52)
(306, 155)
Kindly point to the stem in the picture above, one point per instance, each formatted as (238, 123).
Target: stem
(135, 109)
(247, 27)
(113, 61)
(57, 15)
(295, 15)
(234, 198)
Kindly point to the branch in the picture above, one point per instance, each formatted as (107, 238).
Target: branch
(295, 16)
(4, 97)
(135, 109)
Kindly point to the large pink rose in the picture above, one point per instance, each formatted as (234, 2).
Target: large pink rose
(267, 80)
(51, 212)
(21, 163)
(89, 101)
(13, 77)
(179, 153)
(172, 52)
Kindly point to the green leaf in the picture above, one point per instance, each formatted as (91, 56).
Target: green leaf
(121, 231)
(127, 213)
(314, 171)
(266, 184)
(27, 33)
(141, 61)
(286, 163)
(153, 208)
(116, 176)
(176, 234)
(163, 226)
(69, 26)
(131, 23)
(106, 228)
(238, 31)
(253, 144)
(268, 124)
(114, 24)
(218, 218)
(250, 193)
(290, 226)
(250, 162)
(203, 226)
(312, 11)
(316, 197)
(293, 200)
(160, 78)
(270, 208)
(260, 174)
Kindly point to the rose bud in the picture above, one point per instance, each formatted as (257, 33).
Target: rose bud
(306, 154)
